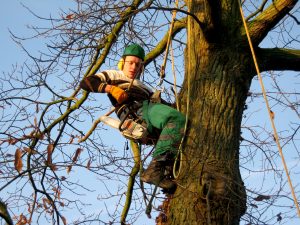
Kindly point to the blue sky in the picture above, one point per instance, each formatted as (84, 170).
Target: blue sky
(14, 17)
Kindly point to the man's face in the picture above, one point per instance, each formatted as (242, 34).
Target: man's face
(132, 66)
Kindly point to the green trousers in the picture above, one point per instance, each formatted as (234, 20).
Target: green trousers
(171, 123)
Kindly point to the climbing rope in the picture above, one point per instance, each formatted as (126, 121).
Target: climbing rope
(179, 157)
(163, 66)
(174, 77)
(269, 110)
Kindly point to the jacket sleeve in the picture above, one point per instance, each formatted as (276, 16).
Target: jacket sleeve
(95, 83)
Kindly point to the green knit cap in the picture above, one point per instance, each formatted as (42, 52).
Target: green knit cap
(135, 50)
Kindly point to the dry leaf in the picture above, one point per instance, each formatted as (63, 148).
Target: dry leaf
(88, 165)
(18, 160)
(77, 153)
(72, 139)
(29, 208)
(75, 158)
(53, 167)
(70, 16)
(49, 154)
(46, 202)
(22, 220)
(64, 220)
(30, 151)
(57, 192)
(12, 141)
(69, 168)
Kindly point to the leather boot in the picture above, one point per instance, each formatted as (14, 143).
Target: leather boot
(156, 174)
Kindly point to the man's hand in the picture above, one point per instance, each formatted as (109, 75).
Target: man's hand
(119, 94)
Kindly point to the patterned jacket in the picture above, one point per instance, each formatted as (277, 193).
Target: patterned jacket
(138, 92)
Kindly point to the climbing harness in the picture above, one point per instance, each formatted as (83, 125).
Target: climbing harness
(269, 110)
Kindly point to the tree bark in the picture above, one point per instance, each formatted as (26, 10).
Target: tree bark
(210, 189)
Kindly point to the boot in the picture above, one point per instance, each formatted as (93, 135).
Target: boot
(156, 174)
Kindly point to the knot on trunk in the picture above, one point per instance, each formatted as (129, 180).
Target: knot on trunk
(215, 185)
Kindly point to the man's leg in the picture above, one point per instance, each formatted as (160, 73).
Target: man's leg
(171, 123)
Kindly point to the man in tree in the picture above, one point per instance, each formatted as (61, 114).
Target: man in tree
(132, 99)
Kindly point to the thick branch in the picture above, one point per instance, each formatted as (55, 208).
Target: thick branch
(279, 59)
(134, 171)
(262, 24)
(5, 214)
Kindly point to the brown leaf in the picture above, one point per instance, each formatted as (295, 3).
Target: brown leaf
(29, 150)
(18, 160)
(70, 16)
(49, 154)
(58, 194)
(42, 136)
(75, 158)
(46, 202)
(12, 141)
(71, 140)
(77, 153)
(64, 220)
(69, 168)
(29, 208)
(22, 220)
(88, 165)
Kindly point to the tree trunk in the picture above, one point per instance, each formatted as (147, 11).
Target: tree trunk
(210, 189)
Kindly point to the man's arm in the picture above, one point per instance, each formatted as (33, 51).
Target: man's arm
(95, 84)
